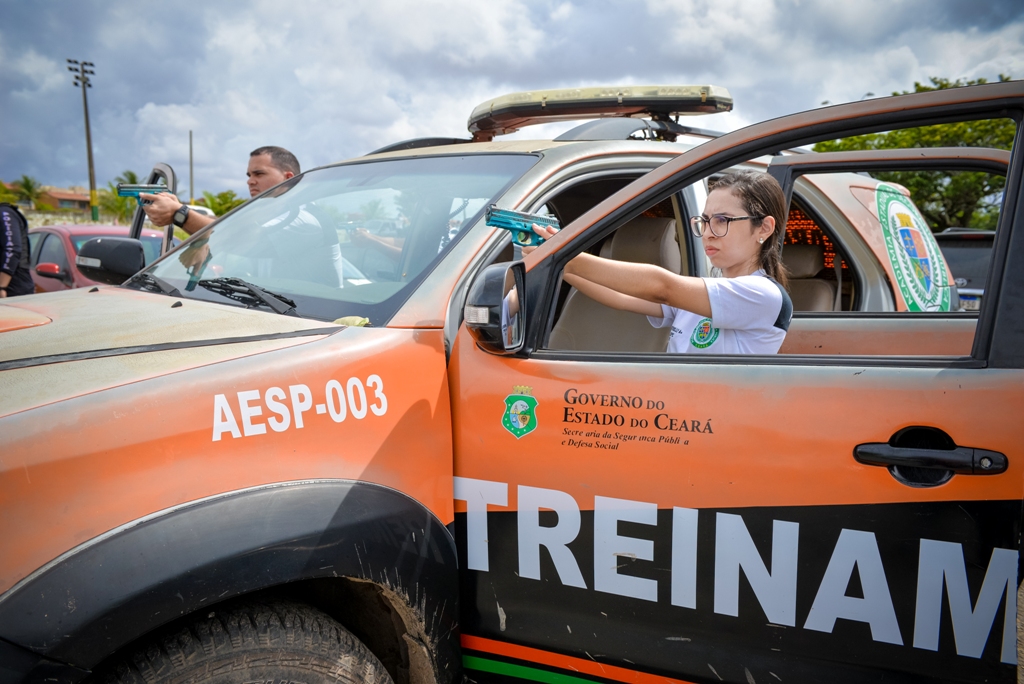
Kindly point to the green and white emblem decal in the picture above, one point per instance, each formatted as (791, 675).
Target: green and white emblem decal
(520, 417)
(915, 256)
(704, 335)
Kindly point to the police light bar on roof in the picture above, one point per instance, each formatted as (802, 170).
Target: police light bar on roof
(509, 113)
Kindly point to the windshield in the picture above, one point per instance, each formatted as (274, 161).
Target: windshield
(350, 240)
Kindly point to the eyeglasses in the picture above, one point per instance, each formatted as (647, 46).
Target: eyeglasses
(719, 224)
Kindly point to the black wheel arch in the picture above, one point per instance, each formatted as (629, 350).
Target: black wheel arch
(349, 546)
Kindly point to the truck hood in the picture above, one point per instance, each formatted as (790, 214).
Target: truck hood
(65, 344)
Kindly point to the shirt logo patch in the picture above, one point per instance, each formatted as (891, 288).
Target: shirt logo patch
(704, 335)
(520, 417)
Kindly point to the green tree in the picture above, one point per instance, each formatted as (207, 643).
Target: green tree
(28, 189)
(121, 208)
(222, 202)
(954, 198)
(6, 194)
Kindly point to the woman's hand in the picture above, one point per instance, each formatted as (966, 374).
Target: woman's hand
(545, 232)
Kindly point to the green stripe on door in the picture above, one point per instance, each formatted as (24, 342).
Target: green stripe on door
(521, 671)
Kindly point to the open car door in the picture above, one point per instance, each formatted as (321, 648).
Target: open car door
(640, 517)
(161, 173)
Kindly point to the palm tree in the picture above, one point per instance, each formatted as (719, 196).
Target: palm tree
(129, 177)
(29, 189)
(222, 202)
(122, 208)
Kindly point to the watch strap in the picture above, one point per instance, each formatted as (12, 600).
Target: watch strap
(180, 216)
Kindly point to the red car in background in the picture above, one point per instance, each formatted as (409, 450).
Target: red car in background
(53, 251)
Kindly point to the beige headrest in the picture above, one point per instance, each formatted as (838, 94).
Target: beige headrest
(803, 261)
(646, 241)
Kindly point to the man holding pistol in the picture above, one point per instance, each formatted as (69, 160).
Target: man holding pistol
(268, 166)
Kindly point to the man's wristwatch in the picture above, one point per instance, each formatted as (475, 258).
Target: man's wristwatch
(180, 216)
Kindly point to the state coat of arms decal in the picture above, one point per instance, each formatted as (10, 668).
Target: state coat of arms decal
(520, 417)
(914, 254)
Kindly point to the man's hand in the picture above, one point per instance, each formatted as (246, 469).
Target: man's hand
(161, 207)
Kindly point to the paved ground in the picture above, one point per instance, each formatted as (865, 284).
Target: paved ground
(1020, 627)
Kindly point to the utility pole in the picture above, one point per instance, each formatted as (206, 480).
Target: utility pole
(191, 185)
(82, 71)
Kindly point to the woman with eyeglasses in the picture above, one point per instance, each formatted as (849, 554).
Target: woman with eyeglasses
(746, 311)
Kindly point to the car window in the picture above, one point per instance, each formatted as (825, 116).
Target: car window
(151, 247)
(810, 240)
(52, 252)
(968, 254)
(33, 240)
(347, 240)
(854, 245)
(896, 237)
(582, 324)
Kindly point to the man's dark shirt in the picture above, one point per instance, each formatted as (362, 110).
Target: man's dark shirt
(14, 251)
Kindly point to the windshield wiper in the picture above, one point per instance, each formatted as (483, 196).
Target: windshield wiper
(147, 281)
(249, 294)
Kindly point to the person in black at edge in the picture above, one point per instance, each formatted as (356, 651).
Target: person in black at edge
(15, 278)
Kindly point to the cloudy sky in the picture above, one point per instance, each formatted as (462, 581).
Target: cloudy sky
(332, 80)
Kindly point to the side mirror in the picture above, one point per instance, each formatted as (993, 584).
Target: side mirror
(48, 270)
(495, 312)
(111, 260)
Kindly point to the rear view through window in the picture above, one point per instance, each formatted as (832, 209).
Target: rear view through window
(968, 254)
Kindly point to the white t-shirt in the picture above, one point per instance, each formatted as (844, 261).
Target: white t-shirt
(749, 315)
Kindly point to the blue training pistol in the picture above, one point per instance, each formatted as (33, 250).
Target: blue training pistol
(136, 189)
(520, 224)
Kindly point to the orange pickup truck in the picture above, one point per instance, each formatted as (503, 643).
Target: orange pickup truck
(302, 448)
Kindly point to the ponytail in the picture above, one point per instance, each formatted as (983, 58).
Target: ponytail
(762, 196)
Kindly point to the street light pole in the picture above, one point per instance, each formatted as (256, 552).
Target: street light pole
(82, 71)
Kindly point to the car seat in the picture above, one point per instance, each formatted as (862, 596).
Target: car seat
(808, 292)
(587, 325)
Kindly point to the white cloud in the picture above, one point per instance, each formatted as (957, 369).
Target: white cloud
(562, 12)
(41, 73)
(333, 80)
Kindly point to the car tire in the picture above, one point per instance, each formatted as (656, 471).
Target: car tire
(269, 643)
